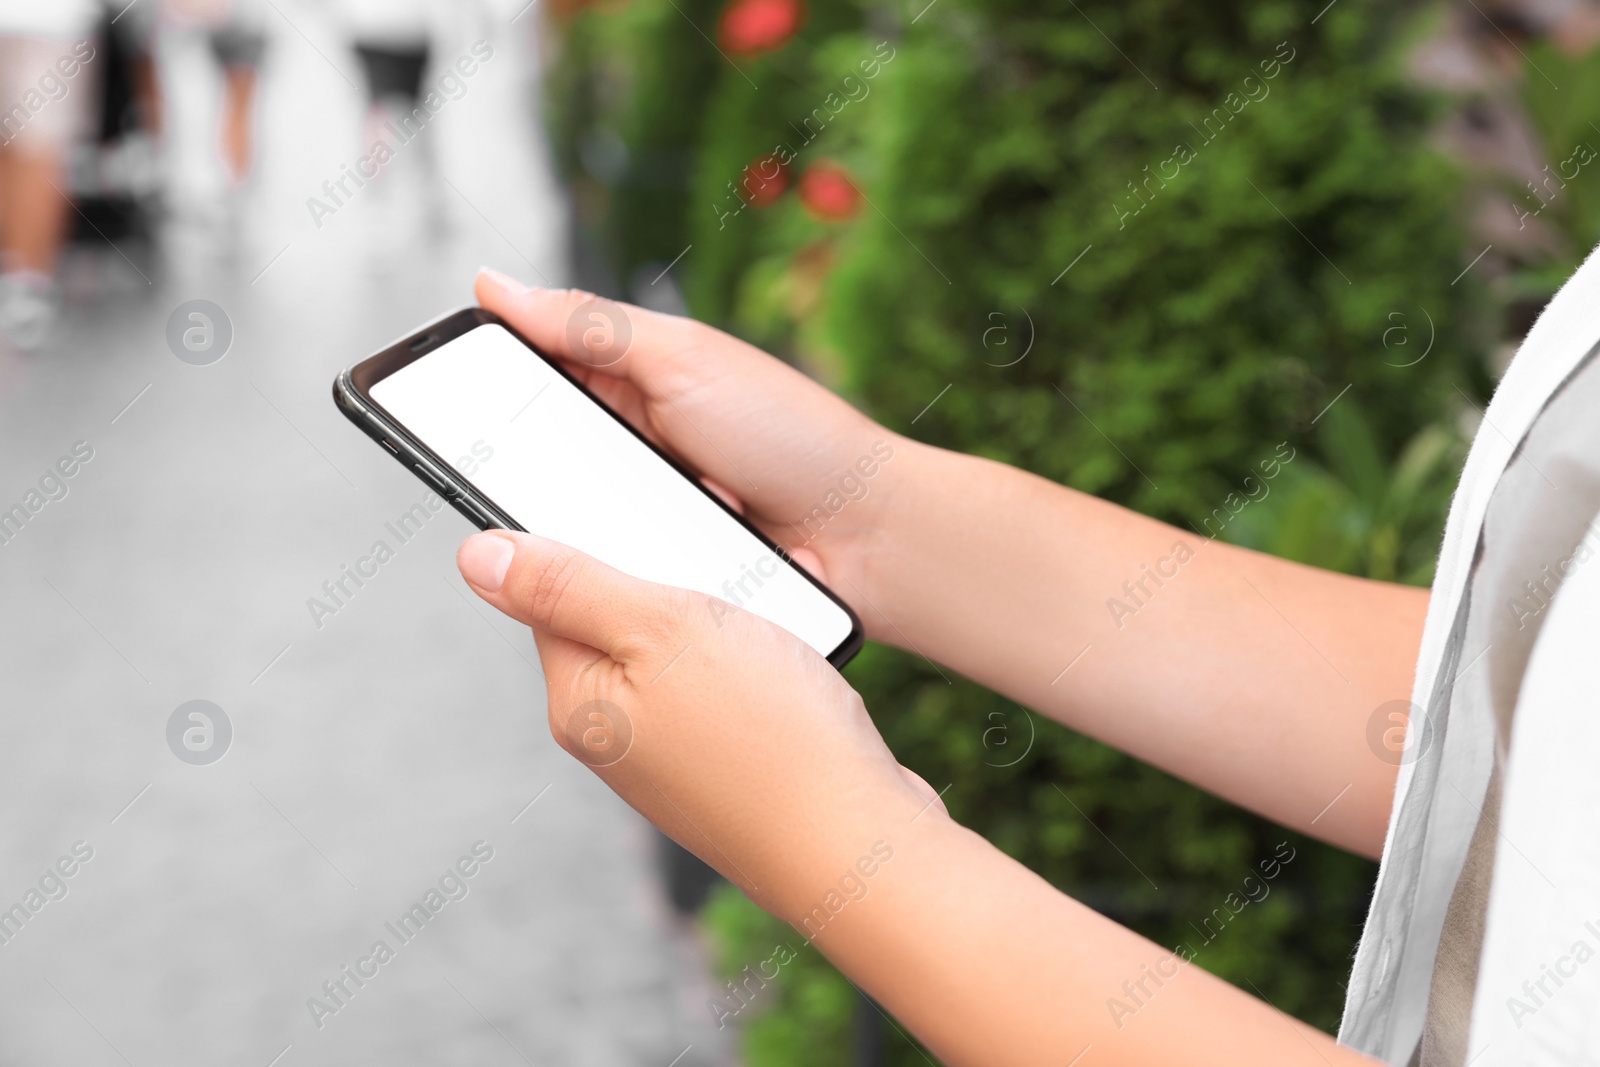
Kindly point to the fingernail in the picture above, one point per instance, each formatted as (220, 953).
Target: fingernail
(504, 282)
(484, 559)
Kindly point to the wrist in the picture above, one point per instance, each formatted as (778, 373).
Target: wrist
(848, 861)
(871, 918)
(890, 552)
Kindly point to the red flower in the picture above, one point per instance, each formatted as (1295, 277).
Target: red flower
(751, 26)
(829, 193)
(764, 180)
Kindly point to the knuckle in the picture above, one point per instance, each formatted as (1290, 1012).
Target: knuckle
(550, 581)
(573, 299)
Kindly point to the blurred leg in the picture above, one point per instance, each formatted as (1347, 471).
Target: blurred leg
(147, 86)
(399, 206)
(239, 86)
(47, 114)
(38, 129)
(34, 213)
(238, 49)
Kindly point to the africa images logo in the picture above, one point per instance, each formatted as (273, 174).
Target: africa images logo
(199, 732)
(199, 332)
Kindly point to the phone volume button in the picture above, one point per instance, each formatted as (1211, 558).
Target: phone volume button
(473, 515)
(448, 490)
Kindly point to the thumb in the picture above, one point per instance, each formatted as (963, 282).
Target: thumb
(562, 593)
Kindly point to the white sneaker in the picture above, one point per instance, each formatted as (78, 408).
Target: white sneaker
(29, 307)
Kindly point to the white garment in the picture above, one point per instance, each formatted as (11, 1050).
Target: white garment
(1544, 903)
(1546, 882)
(214, 14)
(47, 18)
(396, 23)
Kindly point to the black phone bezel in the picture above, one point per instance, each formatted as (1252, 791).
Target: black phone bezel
(352, 392)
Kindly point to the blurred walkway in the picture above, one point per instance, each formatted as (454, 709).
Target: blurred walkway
(369, 754)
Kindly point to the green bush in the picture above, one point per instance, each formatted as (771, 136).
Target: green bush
(1299, 254)
(1567, 195)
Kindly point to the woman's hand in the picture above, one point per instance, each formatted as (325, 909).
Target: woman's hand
(727, 732)
(746, 747)
(812, 472)
(751, 751)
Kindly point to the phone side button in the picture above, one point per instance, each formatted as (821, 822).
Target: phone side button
(472, 514)
(449, 491)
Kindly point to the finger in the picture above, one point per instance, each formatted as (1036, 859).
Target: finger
(811, 562)
(617, 340)
(780, 534)
(541, 315)
(560, 591)
(662, 355)
(723, 495)
(805, 557)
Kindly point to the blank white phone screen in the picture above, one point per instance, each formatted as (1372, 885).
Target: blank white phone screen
(565, 469)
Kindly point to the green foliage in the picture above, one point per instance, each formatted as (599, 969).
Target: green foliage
(815, 1006)
(1218, 301)
(629, 96)
(1559, 92)
(1359, 514)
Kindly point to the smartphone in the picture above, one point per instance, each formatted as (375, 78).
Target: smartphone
(510, 439)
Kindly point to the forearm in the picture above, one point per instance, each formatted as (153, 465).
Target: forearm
(987, 964)
(1248, 675)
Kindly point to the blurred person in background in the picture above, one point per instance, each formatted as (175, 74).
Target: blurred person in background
(47, 102)
(393, 39)
(233, 34)
(237, 42)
